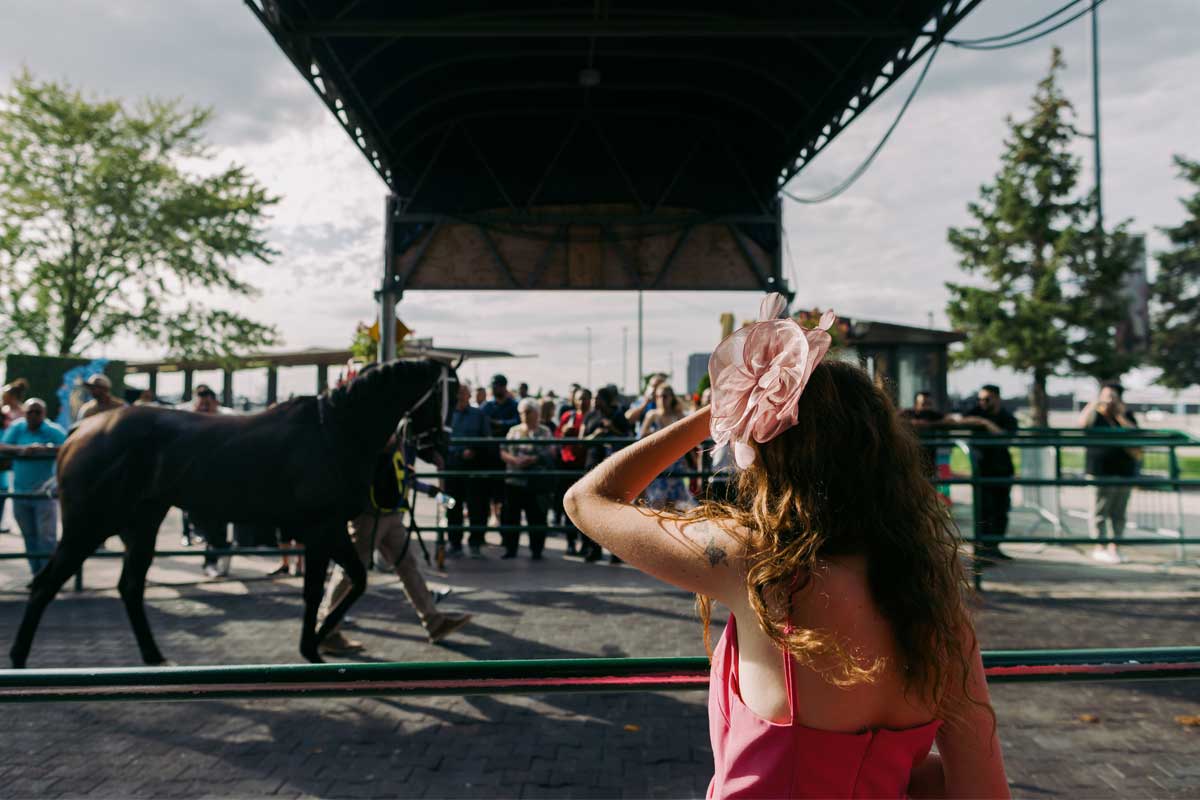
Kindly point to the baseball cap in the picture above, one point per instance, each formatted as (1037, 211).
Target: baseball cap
(98, 379)
(499, 379)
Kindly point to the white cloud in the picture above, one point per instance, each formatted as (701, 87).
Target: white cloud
(878, 251)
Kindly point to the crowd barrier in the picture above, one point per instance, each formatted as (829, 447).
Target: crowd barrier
(967, 440)
(545, 676)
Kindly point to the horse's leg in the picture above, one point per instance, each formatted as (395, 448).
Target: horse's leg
(140, 539)
(67, 559)
(316, 563)
(345, 555)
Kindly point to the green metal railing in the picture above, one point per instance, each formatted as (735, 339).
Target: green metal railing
(969, 439)
(541, 676)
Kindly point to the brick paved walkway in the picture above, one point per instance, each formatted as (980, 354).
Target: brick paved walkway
(637, 745)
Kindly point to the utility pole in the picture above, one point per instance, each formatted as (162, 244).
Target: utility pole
(641, 370)
(589, 356)
(1096, 119)
(624, 358)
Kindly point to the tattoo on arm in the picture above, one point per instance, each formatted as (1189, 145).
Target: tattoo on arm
(714, 552)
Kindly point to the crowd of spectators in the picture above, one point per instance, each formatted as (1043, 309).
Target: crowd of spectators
(537, 447)
(544, 444)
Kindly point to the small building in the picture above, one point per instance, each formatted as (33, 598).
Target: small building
(905, 359)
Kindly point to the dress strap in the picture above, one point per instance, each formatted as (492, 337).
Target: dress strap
(788, 666)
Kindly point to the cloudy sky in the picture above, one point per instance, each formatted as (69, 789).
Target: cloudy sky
(879, 251)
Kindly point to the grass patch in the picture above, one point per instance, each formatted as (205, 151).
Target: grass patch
(1073, 462)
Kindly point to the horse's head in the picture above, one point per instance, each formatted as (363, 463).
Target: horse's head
(416, 395)
(427, 424)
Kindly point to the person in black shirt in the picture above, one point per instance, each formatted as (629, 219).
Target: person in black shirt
(924, 415)
(1108, 412)
(605, 421)
(994, 462)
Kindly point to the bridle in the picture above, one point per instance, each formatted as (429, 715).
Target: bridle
(427, 438)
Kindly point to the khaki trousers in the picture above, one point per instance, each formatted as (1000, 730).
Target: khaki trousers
(390, 537)
(1109, 504)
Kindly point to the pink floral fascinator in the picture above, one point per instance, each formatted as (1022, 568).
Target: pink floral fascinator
(757, 375)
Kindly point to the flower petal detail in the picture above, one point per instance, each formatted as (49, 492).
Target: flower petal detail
(758, 374)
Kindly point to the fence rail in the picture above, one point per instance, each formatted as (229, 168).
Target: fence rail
(542, 676)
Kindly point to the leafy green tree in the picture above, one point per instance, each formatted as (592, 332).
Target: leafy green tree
(105, 233)
(1046, 299)
(1175, 340)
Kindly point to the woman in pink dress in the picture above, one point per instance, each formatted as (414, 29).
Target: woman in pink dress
(849, 649)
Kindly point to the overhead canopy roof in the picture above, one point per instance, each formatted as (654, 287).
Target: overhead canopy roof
(488, 110)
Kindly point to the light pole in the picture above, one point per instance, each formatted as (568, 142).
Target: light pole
(640, 373)
(624, 358)
(589, 356)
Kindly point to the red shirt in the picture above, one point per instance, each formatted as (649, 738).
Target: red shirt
(569, 427)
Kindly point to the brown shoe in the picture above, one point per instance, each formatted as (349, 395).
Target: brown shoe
(336, 644)
(446, 625)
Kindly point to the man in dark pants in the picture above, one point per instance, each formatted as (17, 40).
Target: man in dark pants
(605, 421)
(470, 493)
(502, 414)
(993, 462)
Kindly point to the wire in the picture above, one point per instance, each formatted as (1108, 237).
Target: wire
(1018, 31)
(984, 43)
(971, 44)
(866, 164)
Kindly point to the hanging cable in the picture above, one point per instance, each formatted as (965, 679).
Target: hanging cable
(984, 43)
(981, 44)
(1018, 31)
(866, 164)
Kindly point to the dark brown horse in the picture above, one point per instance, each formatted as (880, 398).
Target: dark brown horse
(304, 466)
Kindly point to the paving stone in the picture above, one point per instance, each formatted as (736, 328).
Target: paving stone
(551, 745)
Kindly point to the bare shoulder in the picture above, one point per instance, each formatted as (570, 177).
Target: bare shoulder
(838, 596)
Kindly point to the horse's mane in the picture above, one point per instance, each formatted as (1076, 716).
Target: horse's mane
(364, 387)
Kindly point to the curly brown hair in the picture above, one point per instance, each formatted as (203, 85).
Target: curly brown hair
(848, 479)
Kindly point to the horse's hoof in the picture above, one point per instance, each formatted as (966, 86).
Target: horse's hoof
(312, 657)
(18, 663)
(161, 662)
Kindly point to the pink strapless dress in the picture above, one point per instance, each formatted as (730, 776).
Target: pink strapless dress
(755, 758)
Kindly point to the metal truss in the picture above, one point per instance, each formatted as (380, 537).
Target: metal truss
(946, 17)
(354, 117)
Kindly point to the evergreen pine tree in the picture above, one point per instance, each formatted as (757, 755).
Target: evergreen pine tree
(1175, 338)
(1046, 297)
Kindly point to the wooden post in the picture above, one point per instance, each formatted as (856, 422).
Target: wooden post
(227, 388)
(272, 385)
(153, 382)
(188, 375)
(322, 377)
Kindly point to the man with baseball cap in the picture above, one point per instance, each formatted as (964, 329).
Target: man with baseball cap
(102, 400)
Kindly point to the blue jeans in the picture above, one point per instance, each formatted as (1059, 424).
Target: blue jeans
(38, 520)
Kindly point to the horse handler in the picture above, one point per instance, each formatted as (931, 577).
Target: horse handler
(381, 527)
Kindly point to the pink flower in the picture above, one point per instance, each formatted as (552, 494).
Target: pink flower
(758, 374)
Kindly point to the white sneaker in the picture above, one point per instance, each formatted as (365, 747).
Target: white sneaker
(1098, 553)
(211, 571)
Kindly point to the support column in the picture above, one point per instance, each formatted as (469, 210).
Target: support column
(389, 291)
(227, 388)
(153, 373)
(188, 375)
(272, 385)
(322, 377)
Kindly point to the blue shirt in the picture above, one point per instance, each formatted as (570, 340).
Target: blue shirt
(468, 422)
(503, 414)
(30, 473)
